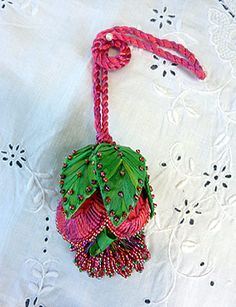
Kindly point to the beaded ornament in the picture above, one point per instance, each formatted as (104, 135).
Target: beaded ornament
(106, 197)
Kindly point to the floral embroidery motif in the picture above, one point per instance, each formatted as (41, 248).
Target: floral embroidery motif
(180, 105)
(188, 212)
(39, 184)
(227, 107)
(34, 302)
(166, 66)
(217, 177)
(227, 8)
(14, 155)
(222, 33)
(42, 189)
(162, 17)
(26, 7)
(46, 229)
(4, 3)
(43, 280)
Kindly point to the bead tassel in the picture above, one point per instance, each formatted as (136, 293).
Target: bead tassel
(121, 257)
(124, 255)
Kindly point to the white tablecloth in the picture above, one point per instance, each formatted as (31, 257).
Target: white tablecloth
(184, 127)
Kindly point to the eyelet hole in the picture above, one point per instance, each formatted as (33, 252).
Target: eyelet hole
(113, 52)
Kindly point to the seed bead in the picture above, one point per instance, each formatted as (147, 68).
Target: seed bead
(121, 194)
(116, 218)
(103, 174)
(112, 213)
(107, 188)
(80, 197)
(88, 188)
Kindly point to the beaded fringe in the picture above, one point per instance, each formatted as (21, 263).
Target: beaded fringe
(121, 257)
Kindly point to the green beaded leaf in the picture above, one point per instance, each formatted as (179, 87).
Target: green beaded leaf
(103, 240)
(80, 181)
(149, 195)
(121, 174)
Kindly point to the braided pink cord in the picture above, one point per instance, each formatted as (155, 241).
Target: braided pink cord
(96, 95)
(120, 37)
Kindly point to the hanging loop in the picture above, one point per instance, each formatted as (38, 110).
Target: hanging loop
(120, 37)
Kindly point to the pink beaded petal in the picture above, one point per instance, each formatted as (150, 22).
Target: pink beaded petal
(86, 223)
(135, 221)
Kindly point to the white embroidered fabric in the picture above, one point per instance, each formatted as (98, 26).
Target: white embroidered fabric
(184, 127)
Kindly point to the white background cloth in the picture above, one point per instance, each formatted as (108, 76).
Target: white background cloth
(184, 127)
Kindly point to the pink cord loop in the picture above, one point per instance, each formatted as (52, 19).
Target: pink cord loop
(102, 58)
(120, 37)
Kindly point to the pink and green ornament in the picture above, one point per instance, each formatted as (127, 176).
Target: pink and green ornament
(106, 199)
